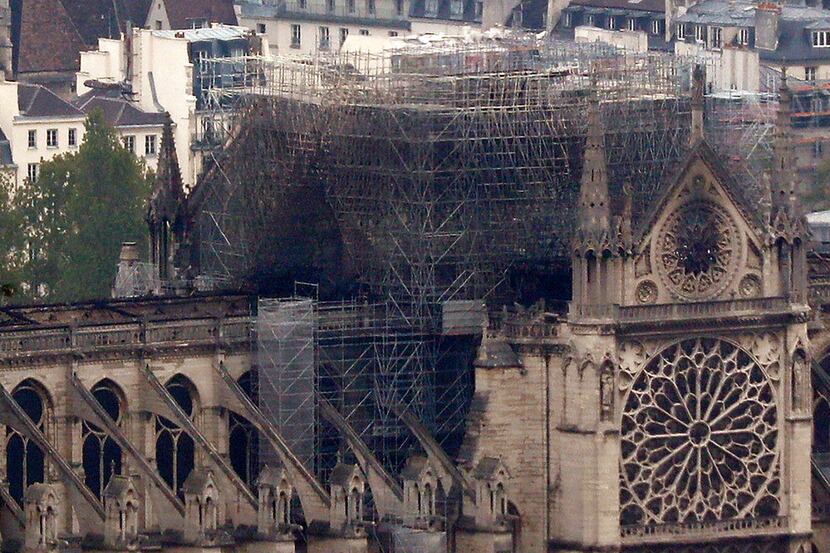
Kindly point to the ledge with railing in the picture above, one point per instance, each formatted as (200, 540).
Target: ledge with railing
(64, 339)
(719, 529)
(680, 311)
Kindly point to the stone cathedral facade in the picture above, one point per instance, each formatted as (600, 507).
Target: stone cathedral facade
(669, 410)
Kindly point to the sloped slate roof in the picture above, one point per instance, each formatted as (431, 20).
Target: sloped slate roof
(38, 101)
(642, 5)
(48, 38)
(181, 12)
(5, 150)
(52, 33)
(118, 112)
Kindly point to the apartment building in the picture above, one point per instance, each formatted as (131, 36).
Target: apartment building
(309, 26)
(37, 125)
(164, 75)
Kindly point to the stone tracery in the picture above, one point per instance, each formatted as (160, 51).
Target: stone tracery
(699, 437)
(698, 250)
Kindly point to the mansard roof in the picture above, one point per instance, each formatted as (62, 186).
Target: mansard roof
(701, 150)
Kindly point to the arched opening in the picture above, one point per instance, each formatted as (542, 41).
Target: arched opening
(821, 426)
(101, 455)
(243, 438)
(356, 505)
(175, 450)
(428, 510)
(25, 461)
(285, 508)
(501, 500)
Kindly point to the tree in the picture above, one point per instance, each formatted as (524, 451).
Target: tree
(76, 215)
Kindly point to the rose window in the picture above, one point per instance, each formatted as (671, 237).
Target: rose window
(699, 438)
(697, 250)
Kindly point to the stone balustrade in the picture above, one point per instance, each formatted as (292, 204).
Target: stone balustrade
(16, 343)
(703, 530)
(679, 311)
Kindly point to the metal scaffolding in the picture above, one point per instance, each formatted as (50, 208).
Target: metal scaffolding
(445, 166)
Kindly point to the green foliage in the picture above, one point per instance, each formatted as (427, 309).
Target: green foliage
(75, 217)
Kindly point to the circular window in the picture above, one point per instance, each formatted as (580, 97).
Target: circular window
(699, 437)
(697, 251)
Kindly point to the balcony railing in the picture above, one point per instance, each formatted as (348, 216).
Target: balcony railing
(65, 339)
(680, 311)
(657, 533)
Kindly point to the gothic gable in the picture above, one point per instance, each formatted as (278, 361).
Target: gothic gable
(702, 240)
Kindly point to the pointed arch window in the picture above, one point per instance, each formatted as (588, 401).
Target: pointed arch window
(175, 450)
(101, 455)
(243, 437)
(25, 461)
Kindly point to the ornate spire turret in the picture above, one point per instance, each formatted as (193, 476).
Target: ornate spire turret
(165, 204)
(594, 211)
(784, 197)
(698, 84)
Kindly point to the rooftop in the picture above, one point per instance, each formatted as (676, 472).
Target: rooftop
(118, 111)
(38, 101)
(182, 13)
(207, 34)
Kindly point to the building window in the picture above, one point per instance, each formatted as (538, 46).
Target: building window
(32, 171)
(590, 21)
(612, 22)
(72, 139)
(655, 26)
(129, 143)
(350, 5)
(681, 31)
(101, 455)
(175, 449)
(260, 28)
(393, 33)
(150, 145)
(51, 138)
(431, 9)
(715, 37)
(456, 9)
(632, 24)
(479, 10)
(821, 39)
(344, 33)
(399, 7)
(325, 38)
(198, 23)
(743, 36)
(32, 140)
(364, 32)
(810, 73)
(301, 4)
(158, 25)
(25, 461)
(370, 7)
(700, 33)
(567, 19)
(295, 36)
(330, 6)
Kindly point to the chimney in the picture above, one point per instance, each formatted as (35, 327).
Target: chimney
(767, 17)
(129, 253)
(6, 40)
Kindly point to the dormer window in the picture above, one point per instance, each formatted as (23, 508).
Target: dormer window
(743, 36)
(681, 31)
(567, 20)
(590, 21)
(632, 24)
(821, 39)
(655, 27)
(700, 33)
(715, 37)
(612, 24)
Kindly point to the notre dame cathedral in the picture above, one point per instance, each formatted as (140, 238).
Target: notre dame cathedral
(680, 404)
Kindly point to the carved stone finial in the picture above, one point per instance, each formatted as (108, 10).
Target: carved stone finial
(698, 84)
